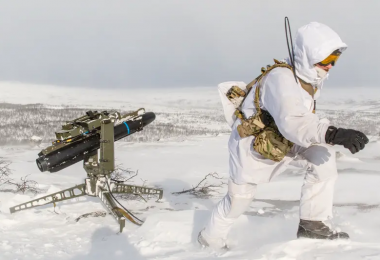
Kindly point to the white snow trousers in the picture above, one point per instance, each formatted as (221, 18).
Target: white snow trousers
(316, 195)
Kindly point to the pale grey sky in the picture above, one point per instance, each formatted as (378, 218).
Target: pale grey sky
(174, 43)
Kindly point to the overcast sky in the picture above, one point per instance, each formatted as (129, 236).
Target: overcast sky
(127, 44)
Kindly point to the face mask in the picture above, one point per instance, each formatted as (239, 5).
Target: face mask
(322, 75)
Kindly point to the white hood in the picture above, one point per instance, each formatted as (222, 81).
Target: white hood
(314, 42)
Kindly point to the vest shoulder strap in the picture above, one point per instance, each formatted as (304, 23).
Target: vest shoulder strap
(278, 64)
(264, 71)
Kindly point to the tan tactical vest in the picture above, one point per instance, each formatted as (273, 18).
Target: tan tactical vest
(269, 142)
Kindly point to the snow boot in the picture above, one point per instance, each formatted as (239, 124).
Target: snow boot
(206, 241)
(318, 230)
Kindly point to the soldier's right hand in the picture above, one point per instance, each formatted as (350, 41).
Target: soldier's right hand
(351, 139)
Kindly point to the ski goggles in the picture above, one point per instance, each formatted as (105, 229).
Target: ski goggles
(331, 59)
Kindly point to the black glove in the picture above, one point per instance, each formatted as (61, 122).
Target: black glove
(351, 139)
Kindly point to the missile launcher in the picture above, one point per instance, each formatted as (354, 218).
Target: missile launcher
(90, 138)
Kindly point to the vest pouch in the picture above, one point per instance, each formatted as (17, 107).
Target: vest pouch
(250, 126)
(271, 145)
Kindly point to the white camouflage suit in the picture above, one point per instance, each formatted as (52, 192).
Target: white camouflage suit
(291, 107)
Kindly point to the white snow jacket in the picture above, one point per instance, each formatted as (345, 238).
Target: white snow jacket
(288, 103)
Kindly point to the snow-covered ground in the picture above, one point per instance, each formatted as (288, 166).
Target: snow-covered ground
(266, 231)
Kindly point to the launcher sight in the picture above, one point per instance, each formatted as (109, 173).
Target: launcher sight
(84, 124)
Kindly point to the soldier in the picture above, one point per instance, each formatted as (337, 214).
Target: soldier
(284, 97)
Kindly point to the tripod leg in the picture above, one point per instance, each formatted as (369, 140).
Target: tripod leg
(110, 205)
(132, 189)
(67, 194)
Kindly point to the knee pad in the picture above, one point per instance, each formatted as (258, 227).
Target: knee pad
(241, 190)
(316, 174)
(240, 197)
